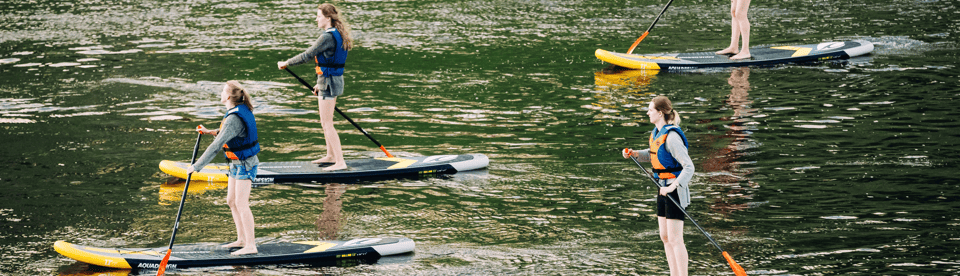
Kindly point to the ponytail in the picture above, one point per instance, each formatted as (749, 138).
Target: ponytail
(238, 95)
(670, 115)
(674, 118)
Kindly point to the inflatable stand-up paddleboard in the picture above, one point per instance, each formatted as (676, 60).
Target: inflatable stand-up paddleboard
(358, 169)
(211, 254)
(761, 56)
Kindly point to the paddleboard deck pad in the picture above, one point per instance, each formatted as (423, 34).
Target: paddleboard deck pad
(211, 254)
(761, 56)
(358, 169)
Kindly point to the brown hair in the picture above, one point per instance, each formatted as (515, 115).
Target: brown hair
(329, 11)
(670, 115)
(238, 95)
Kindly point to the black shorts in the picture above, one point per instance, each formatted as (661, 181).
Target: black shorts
(668, 209)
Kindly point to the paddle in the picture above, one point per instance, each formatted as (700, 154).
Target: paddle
(341, 114)
(183, 198)
(650, 28)
(733, 265)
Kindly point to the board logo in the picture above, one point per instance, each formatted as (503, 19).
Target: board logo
(155, 266)
(829, 46)
(439, 158)
(263, 180)
(356, 242)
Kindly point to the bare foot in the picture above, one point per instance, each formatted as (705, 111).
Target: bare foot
(336, 167)
(728, 51)
(245, 251)
(741, 55)
(233, 244)
(325, 159)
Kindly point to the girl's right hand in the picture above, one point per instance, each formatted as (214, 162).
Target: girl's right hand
(627, 153)
(281, 65)
(203, 130)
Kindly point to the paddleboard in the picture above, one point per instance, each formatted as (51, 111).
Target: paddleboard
(761, 56)
(211, 254)
(358, 169)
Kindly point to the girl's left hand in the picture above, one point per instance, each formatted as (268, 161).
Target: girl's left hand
(190, 169)
(668, 189)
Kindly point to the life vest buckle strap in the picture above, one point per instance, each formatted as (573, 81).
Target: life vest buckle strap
(242, 147)
(668, 170)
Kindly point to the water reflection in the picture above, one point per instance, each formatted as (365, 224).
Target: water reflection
(722, 164)
(172, 190)
(328, 223)
(635, 81)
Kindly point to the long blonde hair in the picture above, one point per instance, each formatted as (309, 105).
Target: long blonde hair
(238, 95)
(329, 11)
(670, 115)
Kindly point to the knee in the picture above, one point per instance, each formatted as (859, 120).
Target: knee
(326, 123)
(232, 202)
(665, 238)
(739, 16)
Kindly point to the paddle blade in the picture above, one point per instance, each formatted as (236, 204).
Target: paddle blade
(385, 151)
(733, 265)
(630, 51)
(163, 263)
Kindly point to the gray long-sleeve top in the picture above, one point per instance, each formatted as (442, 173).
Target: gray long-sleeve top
(231, 127)
(325, 45)
(678, 151)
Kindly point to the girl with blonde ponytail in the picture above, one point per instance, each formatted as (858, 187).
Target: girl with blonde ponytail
(329, 53)
(673, 169)
(237, 139)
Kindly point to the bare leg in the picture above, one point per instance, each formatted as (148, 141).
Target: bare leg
(740, 17)
(246, 217)
(334, 152)
(735, 32)
(675, 238)
(667, 246)
(232, 202)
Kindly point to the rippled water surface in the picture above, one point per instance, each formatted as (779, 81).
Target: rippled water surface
(818, 169)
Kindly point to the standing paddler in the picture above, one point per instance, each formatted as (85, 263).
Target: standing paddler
(330, 55)
(237, 138)
(672, 169)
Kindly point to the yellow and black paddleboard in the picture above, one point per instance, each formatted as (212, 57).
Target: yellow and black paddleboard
(761, 56)
(211, 254)
(358, 169)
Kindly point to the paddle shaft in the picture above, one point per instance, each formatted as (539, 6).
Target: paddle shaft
(649, 28)
(341, 114)
(183, 198)
(733, 265)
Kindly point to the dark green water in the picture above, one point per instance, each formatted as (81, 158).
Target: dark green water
(829, 169)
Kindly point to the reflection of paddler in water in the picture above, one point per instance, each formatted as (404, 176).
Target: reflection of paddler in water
(724, 159)
(328, 224)
(673, 169)
(329, 53)
(237, 138)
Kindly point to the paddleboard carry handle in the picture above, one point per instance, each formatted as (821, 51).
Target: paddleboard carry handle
(307, 85)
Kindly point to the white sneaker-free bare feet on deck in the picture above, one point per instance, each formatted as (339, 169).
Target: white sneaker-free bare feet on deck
(324, 160)
(245, 251)
(741, 55)
(728, 51)
(233, 244)
(336, 167)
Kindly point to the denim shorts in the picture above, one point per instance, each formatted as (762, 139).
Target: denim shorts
(329, 87)
(238, 171)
